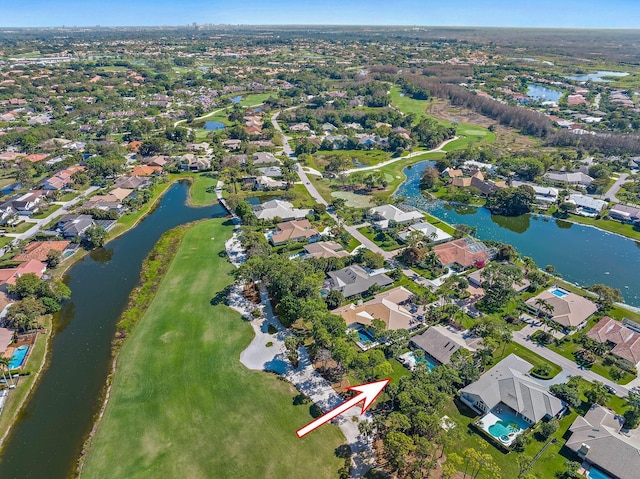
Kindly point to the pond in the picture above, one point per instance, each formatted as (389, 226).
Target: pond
(214, 125)
(236, 99)
(542, 93)
(47, 439)
(599, 76)
(581, 254)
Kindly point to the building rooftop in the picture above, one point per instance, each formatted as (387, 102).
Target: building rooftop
(389, 307)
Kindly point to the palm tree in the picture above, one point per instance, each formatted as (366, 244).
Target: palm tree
(4, 365)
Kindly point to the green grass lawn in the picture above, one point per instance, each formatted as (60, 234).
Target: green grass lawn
(20, 228)
(202, 191)
(527, 355)
(68, 196)
(254, 99)
(182, 405)
(389, 244)
(44, 214)
(5, 240)
(623, 229)
(33, 364)
(407, 105)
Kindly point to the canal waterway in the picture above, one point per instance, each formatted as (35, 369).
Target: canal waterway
(581, 254)
(47, 439)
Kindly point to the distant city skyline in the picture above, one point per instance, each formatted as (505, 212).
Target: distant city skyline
(496, 13)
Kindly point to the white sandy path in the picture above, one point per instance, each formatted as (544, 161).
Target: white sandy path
(258, 356)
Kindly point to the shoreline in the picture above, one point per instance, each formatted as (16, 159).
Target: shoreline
(60, 274)
(118, 339)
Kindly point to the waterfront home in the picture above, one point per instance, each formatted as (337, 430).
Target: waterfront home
(623, 341)
(264, 183)
(279, 209)
(325, 249)
(441, 344)
(39, 250)
(477, 180)
(472, 165)
(463, 253)
(569, 310)
(132, 182)
(451, 173)
(567, 178)
(383, 215)
(586, 205)
(10, 275)
(354, 280)
(506, 396)
(296, 230)
(545, 195)
(6, 338)
(392, 307)
(146, 170)
(599, 440)
(430, 232)
(71, 226)
(475, 279)
(625, 213)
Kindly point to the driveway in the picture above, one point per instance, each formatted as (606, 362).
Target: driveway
(611, 192)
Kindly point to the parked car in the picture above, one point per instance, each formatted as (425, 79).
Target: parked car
(611, 389)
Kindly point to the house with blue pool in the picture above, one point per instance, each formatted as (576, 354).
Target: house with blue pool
(569, 310)
(607, 449)
(510, 401)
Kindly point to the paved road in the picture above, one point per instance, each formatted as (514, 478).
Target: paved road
(400, 158)
(611, 192)
(569, 368)
(59, 212)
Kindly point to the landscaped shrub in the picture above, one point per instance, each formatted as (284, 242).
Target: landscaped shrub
(626, 365)
(271, 329)
(541, 371)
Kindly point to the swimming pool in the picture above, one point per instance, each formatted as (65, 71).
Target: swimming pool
(502, 429)
(559, 293)
(595, 473)
(18, 357)
(365, 336)
(431, 363)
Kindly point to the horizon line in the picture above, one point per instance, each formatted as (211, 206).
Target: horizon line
(191, 25)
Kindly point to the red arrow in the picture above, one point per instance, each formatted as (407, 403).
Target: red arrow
(368, 393)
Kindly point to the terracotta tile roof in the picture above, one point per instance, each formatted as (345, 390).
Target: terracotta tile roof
(387, 307)
(145, 170)
(464, 251)
(293, 230)
(626, 341)
(9, 275)
(38, 250)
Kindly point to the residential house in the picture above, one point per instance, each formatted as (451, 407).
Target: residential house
(74, 225)
(10, 275)
(295, 230)
(325, 249)
(567, 178)
(475, 279)
(62, 179)
(8, 214)
(38, 250)
(586, 205)
(298, 127)
(132, 182)
(545, 195)
(383, 215)
(625, 213)
(265, 158)
(452, 173)
(191, 162)
(463, 253)
(441, 344)
(354, 280)
(392, 307)
(477, 180)
(472, 165)
(506, 385)
(29, 203)
(279, 209)
(569, 310)
(624, 342)
(146, 170)
(265, 183)
(430, 232)
(232, 144)
(598, 438)
(156, 160)
(271, 171)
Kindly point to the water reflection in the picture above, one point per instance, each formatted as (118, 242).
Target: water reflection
(517, 224)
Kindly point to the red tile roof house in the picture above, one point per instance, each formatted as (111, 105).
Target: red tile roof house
(463, 253)
(61, 179)
(294, 230)
(625, 343)
(10, 275)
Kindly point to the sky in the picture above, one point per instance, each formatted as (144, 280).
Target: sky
(500, 13)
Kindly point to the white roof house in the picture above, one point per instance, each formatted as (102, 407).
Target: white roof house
(544, 194)
(478, 165)
(577, 178)
(386, 213)
(434, 234)
(586, 205)
(507, 383)
(279, 209)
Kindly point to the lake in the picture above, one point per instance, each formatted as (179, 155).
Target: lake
(581, 254)
(47, 439)
(214, 125)
(236, 99)
(542, 93)
(598, 76)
